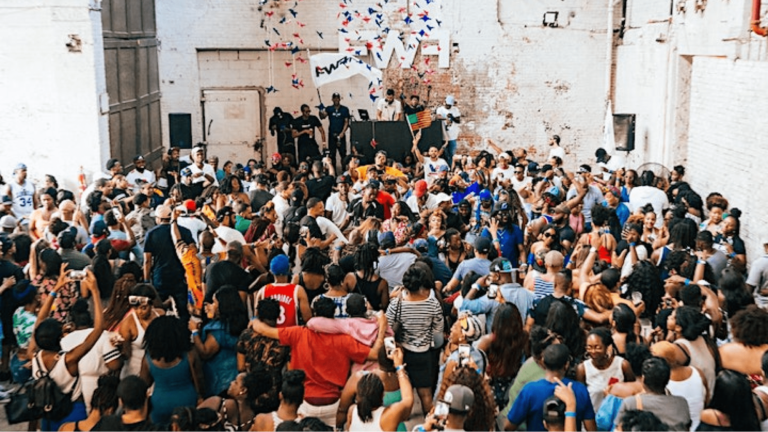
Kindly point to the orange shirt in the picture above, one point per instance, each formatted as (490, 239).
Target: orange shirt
(194, 273)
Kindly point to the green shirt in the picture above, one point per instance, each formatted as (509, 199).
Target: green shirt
(529, 372)
(23, 326)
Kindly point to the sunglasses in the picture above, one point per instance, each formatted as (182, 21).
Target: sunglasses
(519, 172)
(138, 300)
(546, 234)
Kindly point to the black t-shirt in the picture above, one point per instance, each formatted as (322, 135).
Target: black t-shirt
(115, 423)
(541, 308)
(735, 241)
(282, 125)
(225, 273)
(567, 233)
(453, 220)
(301, 124)
(295, 214)
(359, 213)
(407, 109)
(321, 187)
(259, 198)
(8, 303)
(167, 271)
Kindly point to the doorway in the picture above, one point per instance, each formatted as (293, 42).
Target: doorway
(233, 123)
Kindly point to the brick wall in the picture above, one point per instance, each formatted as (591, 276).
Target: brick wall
(515, 81)
(728, 149)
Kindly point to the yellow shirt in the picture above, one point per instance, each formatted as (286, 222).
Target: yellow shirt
(394, 172)
(194, 273)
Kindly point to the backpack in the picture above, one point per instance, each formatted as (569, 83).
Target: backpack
(39, 398)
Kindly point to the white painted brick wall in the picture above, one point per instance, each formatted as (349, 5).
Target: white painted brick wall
(515, 81)
(728, 147)
(50, 109)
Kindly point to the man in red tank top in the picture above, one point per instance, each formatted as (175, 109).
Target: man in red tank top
(292, 298)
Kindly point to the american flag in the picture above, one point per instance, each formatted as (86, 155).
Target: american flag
(420, 120)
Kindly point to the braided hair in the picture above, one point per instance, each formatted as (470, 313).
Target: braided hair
(367, 259)
(370, 396)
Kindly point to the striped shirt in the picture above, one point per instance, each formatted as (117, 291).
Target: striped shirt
(542, 288)
(417, 317)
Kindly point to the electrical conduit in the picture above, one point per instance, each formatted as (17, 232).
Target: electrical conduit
(755, 22)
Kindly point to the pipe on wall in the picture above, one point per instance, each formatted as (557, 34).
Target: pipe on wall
(755, 22)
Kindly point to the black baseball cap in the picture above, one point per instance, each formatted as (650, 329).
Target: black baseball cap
(336, 95)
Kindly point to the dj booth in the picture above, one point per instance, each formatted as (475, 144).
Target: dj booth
(392, 136)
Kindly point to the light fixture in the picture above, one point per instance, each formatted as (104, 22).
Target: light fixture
(550, 19)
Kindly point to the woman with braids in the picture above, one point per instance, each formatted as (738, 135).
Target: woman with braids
(732, 406)
(133, 326)
(682, 236)
(173, 366)
(216, 346)
(128, 276)
(103, 403)
(312, 275)
(482, 415)
(239, 407)
(749, 328)
(366, 280)
(291, 396)
(230, 193)
(369, 413)
(102, 268)
(505, 348)
(645, 279)
(623, 321)
(602, 367)
(564, 321)
(686, 326)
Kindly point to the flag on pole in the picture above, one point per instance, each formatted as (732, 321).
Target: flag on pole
(609, 139)
(331, 67)
(420, 120)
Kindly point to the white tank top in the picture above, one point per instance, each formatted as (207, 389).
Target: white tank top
(373, 425)
(693, 390)
(597, 380)
(23, 204)
(764, 425)
(59, 374)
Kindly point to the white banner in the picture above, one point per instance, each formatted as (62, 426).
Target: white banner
(331, 67)
(609, 139)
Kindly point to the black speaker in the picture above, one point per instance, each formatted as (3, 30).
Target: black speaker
(624, 131)
(181, 130)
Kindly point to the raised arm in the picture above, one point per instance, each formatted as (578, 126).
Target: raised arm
(415, 148)
(76, 354)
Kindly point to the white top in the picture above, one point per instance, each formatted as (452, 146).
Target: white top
(372, 425)
(432, 169)
(519, 185)
(392, 267)
(134, 175)
(616, 163)
(228, 235)
(597, 380)
(207, 169)
(194, 225)
(642, 195)
(328, 227)
(626, 269)
(505, 174)
(23, 204)
(338, 208)
(389, 111)
(452, 131)
(281, 207)
(693, 390)
(133, 366)
(557, 151)
(59, 374)
(430, 204)
(93, 364)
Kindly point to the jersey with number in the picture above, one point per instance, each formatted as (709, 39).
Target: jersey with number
(285, 294)
(23, 204)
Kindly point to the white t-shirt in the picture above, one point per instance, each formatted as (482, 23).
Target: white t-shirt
(194, 225)
(93, 364)
(557, 151)
(450, 133)
(519, 185)
(432, 169)
(328, 227)
(338, 208)
(505, 174)
(642, 195)
(616, 163)
(148, 176)
(389, 111)
(228, 235)
(281, 207)
(430, 204)
(207, 169)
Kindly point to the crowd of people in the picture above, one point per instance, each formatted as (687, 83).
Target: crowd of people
(487, 291)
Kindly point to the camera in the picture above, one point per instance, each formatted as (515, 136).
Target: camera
(493, 291)
(441, 410)
(389, 345)
(77, 275)
(464, 354)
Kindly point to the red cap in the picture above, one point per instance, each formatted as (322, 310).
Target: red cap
(277, 156)
(190, 205)
(420, 188)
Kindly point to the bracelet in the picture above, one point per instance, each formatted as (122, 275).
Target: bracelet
(338, 248)
(399, 368)
(732, 255)
(570, 414)
(592, 250)
(687, 282)
(195, 333)
(700, 262)
(53, 294)
(387, 251)
(496, 241)
(479, 371)
(633, 244)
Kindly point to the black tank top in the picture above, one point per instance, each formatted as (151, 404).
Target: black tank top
(311, 293)
(370, 289)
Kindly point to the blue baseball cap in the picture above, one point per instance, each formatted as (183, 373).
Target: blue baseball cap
(421, 245)
(20, 166)
(485, 195)
(280, 265)
(387, 239)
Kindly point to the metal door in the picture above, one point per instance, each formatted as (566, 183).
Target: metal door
(130, 57)
(233, 123)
